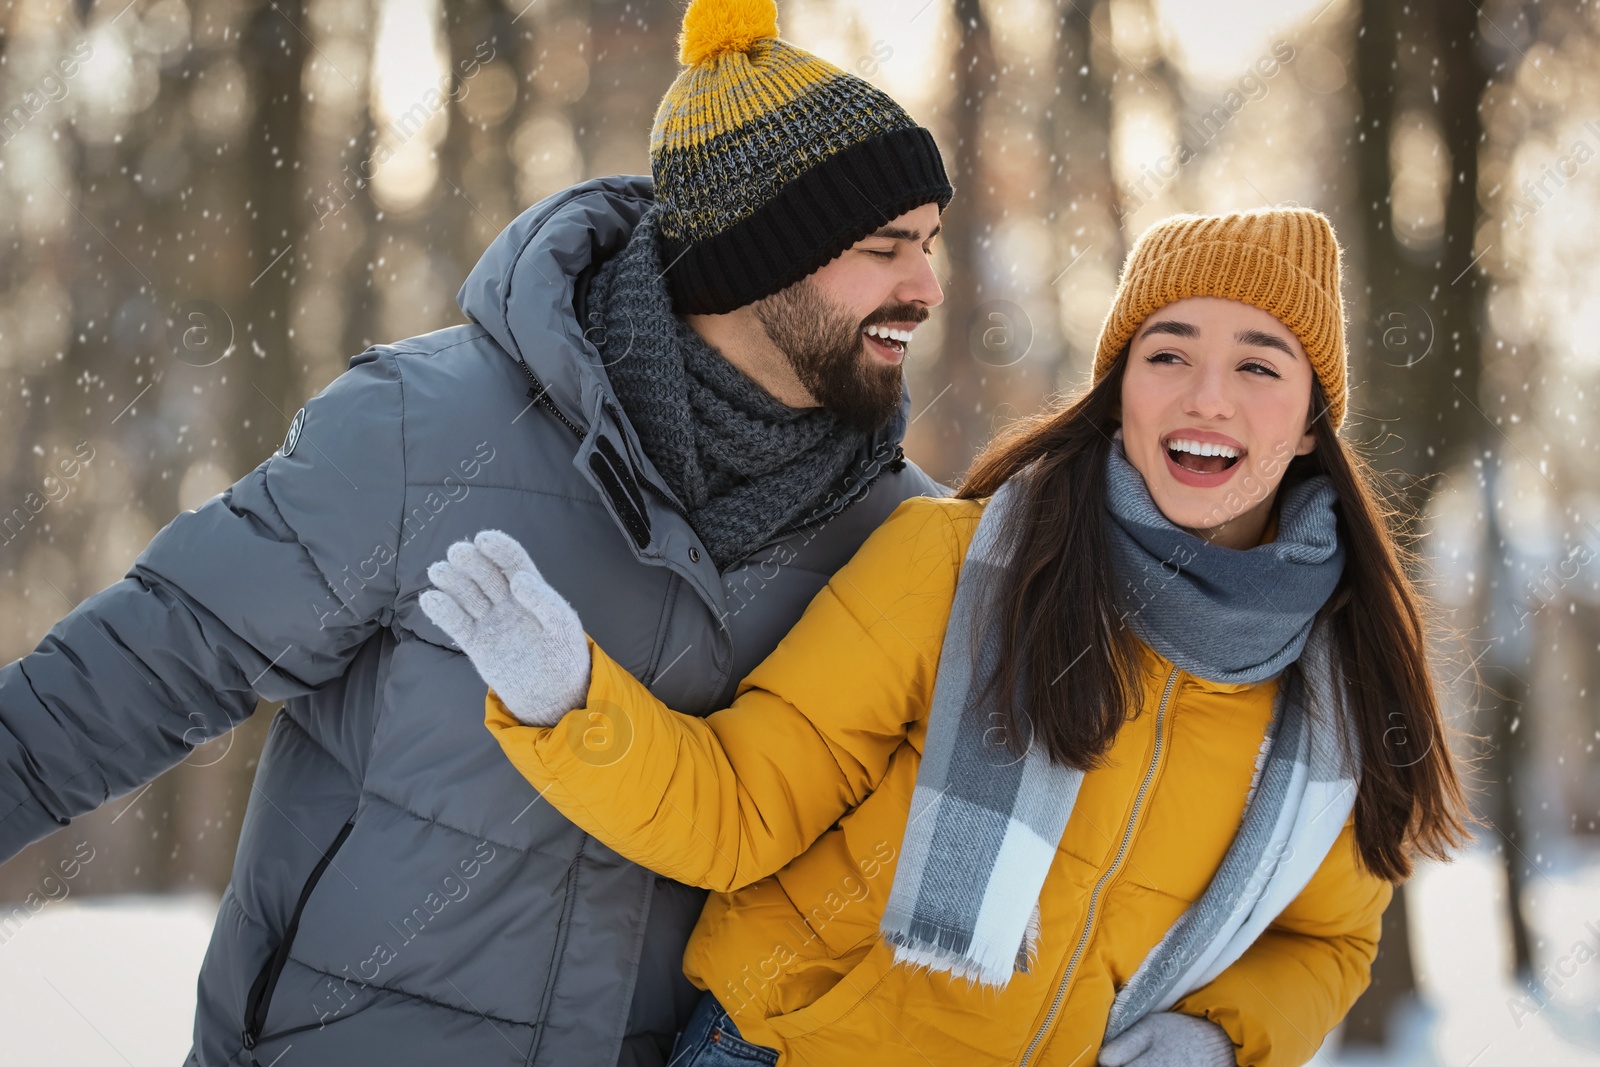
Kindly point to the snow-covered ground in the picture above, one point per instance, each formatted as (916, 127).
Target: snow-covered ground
(106, 982)
(111, 981)
(1474, 1016)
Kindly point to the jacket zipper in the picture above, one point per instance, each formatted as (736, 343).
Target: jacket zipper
(661, 495)
(541, 396)
(260, 999)
(569, 883)
(1116, 863)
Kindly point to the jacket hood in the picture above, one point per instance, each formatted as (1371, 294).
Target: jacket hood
(524, 290)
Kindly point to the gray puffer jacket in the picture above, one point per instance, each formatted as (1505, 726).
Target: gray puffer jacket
(400, 894)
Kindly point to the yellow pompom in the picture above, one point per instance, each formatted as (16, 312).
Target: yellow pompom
(716, 27)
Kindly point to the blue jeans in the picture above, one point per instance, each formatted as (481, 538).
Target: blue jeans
(711, 1040)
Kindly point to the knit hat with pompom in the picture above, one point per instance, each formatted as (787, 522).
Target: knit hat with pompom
(769, 162)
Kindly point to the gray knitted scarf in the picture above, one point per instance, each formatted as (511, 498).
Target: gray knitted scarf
(1256, 604)
(984, 824)
(741, 463)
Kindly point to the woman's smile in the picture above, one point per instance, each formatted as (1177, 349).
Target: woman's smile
(1201, 458)
(1205, 471)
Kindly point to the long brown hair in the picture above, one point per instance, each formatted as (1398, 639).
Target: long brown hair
(1072, 665)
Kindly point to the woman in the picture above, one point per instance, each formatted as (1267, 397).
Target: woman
(1131, 736)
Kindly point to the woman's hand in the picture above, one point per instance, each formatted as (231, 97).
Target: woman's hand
(1169, 1039)
(525, 640)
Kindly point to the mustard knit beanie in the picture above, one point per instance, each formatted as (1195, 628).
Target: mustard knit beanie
(1283, 261)
(769, 162)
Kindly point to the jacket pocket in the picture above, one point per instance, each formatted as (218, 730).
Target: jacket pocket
(846, 995)
(259, 1001)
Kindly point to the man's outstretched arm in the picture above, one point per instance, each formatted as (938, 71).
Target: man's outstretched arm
(267, 589)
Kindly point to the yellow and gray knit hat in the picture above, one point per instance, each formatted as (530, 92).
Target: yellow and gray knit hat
(1284, 261)
(769, 162)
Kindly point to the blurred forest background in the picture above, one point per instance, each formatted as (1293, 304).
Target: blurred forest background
(193, 247)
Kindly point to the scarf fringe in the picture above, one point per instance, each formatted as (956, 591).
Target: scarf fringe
(991, 970)
(960, 956)
(1261, 759)
(1030, 942)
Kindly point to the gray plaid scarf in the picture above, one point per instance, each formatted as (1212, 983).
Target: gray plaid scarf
(984, 825)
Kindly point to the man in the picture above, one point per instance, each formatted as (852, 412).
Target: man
(685, 398)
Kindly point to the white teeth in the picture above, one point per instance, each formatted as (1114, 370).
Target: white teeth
(903, 336)
(1179, 444)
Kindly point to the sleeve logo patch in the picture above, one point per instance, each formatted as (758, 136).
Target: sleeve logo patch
(295, 426)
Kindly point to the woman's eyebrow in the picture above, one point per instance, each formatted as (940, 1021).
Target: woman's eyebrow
(1172, 326)
(1264, 340)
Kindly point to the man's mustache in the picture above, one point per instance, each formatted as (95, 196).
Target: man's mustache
(895, 313)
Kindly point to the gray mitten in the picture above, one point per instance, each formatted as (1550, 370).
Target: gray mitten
(525, 640)
(1169, 1039)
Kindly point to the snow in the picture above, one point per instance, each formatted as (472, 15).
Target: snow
(110, 982)
(1463, 958)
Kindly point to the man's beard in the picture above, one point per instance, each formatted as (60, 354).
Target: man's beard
(827, 350)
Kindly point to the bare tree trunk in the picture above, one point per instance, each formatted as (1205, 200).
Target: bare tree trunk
(361, 297)
(959, 432)
(1386, 270)
(1502, 702)
(274, 50)
(634, 59)
(1428, 322)
(1084, 190)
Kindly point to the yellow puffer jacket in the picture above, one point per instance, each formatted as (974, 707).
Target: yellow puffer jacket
(791, 806)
